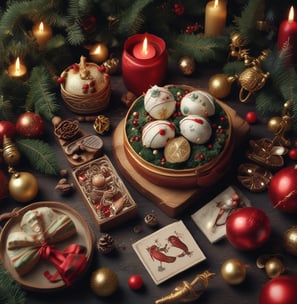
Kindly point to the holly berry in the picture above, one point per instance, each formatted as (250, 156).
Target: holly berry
(293, 154)
(135, 282)
(30, 124)
(6, 128)
(251, 117)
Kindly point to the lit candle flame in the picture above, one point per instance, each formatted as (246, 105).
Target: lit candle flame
(144, 46)
(41, 27)
(17, 65)
(291, 14)
(216, 3)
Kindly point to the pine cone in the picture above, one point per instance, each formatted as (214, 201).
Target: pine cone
(105, 243)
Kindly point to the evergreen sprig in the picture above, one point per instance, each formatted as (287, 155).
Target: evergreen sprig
(40, 155)
(10, 291)
(40, 98)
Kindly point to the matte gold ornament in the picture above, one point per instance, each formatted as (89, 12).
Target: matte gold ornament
(234, 271)
(101, 124)
(104, 282)
(23, 187)
(220, 85)
(188, 291)
(187, 65)
(290, 240)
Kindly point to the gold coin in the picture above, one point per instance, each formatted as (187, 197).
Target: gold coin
(177, 150)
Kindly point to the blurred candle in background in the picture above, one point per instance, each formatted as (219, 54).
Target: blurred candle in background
(17, 69)
(42, 33)
(287, 36)
(215, 18)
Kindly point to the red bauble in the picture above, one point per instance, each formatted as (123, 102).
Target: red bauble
(6, 128)
(279, 290)
(248, 228)
(283, 189)
(30, 124)
(293, 154)
(251, 117)
(135, 282)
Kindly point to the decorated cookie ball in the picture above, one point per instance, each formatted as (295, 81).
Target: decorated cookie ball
(155, 134)
(195, 129)
(159, 102)
(198, 103)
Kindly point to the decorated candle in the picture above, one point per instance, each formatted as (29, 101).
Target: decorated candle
(215, 18)
(42, 33)
(17, 69)
(99, 53)
(144, 62)
(287, 36)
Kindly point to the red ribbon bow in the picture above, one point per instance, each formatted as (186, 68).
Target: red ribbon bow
(69, 263)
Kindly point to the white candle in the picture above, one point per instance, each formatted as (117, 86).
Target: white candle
(215, 18)
(42, 33)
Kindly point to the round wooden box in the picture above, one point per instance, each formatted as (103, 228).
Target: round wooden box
(35, 279)
(202, 176)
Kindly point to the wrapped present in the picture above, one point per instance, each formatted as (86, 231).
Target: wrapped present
(41, 228)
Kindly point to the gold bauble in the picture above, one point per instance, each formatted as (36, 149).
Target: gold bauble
(23, 187)
(187, 65)
(234, 271)
(274, 267)
(276, 123)
(220, 85)
(99, 53)
(290, 240)
(104, 282)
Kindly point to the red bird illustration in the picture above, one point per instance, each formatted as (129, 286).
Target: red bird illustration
(176, 242)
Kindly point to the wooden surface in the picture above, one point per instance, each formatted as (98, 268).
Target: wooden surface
(123, 260)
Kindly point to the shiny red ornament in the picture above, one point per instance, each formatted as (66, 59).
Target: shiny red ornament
(6, 128)
(279, 290)
(30, 124)
(248, 228)
(283, 189)
(251, 117)
(293, 154)
(135, 282)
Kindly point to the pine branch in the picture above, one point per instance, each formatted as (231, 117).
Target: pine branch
(131, 20)
(40, 155)
(39, 97)
(203, 49)
(10, 291)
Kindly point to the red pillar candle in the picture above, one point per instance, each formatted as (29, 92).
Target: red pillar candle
(142, 68)
(287, 36)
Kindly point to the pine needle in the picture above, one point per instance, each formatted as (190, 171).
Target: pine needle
(40, 98)
(40, 155)
(10, 291)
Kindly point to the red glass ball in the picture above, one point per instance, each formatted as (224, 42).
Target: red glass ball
(293, 154)
(279, 290)
(283, 189)
(248, 228)
(251, 117)
(30, 124)
(6, 128)
(135, 282)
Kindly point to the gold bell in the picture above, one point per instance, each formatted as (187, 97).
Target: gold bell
(11, 154)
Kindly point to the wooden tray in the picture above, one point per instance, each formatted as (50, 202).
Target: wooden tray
(170, 200)
(35, 280)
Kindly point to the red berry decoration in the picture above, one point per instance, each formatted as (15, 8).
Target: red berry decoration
(30, 124)
(135, 282)
(251, 117)
(283, 189)
(279, 290)
(293, 154)
(6, 128)
(248, 228)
